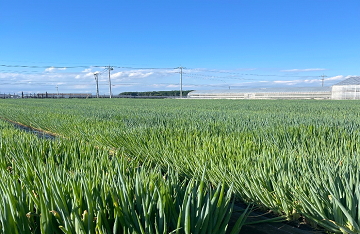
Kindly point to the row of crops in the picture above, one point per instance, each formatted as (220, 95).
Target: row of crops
(157, 166)
(63, 186)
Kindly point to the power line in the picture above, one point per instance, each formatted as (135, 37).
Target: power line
(247, 74)
(147, 68)
(150, 68)
(55, 67)
(83, 66)
(55, 71)
(222, 77)
(202, 77)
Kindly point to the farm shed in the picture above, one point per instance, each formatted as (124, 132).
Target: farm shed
(264, 93)
(346, 89)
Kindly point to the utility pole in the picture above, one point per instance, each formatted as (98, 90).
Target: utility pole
(181, 73)
(96, 74)
(323, 78)
(109, 69)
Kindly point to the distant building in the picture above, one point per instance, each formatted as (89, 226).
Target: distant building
(264, 93)
(346, 89)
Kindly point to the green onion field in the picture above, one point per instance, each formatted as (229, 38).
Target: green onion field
(176, 165)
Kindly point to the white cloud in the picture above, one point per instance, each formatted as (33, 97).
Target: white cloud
(304, 70)
(51, 69)
(140, 74)
(164, 86)
(9, 75)
(218, 70)
(81, 86)
(286, 82)
(89, 74)
(281, 81)
(145, 79)
(82, 80)
(87, 70)
(337, 78)
(331, 80)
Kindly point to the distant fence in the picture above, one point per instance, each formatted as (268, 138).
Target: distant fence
(3, 96)
(80, 95)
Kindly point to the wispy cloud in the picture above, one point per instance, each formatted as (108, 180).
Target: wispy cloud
(132, 74)
(310, 81)
(337, 78)
(82, 80)
(287, 82)
(220, 70)
(87, 70)
(141, 74)
(89, 74)
(304, 70)
(52, 69)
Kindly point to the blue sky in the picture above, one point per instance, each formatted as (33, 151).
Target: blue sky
(258, 43)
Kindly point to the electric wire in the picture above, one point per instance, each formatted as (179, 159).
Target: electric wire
(248, 74)
(13, 69)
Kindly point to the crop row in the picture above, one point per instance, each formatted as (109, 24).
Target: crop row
(62, 186)
(297, 158)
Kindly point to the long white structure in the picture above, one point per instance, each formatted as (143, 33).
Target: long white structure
(264, 93)
(347, 89)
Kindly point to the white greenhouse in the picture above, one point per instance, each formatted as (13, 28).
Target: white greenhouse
(264, 93)
(346, 89)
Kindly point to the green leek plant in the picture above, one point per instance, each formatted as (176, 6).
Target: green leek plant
(279, 154)
(63, 186)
